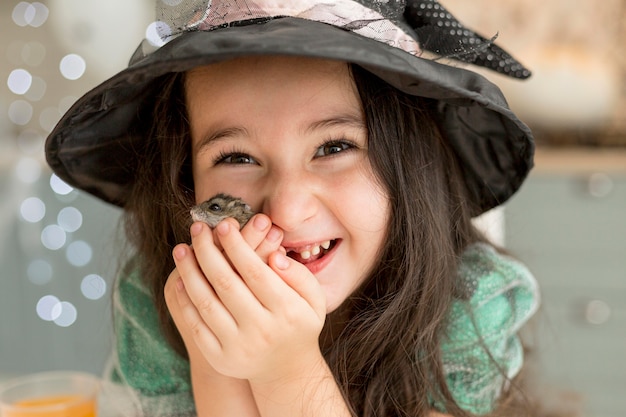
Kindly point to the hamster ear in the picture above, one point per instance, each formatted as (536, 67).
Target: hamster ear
(231, 204)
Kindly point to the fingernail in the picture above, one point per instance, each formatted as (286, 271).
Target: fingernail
(196, 228)
(261, 222)
(180, 252)
(281, 261)
(274, 234)
(179, 284)
(223, 227)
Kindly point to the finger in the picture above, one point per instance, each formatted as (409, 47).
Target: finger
(255, 230)
(271, 243)
(220, 273)
(301, 280)
(202, 295)
(189, 321)
(262, 236)
(266, 286)
(170, 297)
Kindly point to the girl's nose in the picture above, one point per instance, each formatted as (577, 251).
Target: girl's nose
(290, 200)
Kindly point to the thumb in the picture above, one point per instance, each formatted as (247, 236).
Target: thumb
(301, 280)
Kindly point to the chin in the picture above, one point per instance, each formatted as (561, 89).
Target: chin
(333, 300)
(331, 307)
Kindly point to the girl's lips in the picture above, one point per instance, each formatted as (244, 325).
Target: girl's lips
(306, 252)
(315, 257)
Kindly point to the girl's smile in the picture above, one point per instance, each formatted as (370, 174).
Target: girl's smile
(315, 256)
(288, 136)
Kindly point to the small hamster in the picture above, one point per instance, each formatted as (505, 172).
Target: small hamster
(219, 207)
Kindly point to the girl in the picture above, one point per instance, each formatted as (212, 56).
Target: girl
(360, 287)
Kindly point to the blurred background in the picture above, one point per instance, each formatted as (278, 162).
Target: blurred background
(59, 247)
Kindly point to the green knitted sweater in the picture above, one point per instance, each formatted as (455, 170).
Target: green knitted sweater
(153, 380)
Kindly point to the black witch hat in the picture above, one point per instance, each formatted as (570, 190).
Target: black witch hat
(95, 145)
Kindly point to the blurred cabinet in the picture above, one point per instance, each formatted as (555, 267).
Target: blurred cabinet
(568, 224)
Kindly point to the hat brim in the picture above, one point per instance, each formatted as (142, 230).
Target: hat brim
(93, 147)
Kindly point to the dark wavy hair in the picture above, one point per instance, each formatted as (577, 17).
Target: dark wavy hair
(383, 343)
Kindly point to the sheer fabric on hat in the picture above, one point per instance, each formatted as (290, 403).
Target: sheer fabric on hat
(378, 20)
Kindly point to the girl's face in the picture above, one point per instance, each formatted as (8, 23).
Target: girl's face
(288, 136)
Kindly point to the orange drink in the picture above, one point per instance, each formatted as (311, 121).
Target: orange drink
(53, 394)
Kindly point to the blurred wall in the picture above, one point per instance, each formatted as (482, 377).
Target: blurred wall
(59, 248)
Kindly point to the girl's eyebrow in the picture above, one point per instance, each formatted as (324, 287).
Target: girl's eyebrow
(345, 120)
(349, 120)
(220, 134)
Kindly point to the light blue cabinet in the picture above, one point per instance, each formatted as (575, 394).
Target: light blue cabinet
(568, 224)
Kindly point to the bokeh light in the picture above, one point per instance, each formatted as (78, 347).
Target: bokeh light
(39, 272)
(157, 33)
(79, 253)
(19, 81)
(23, 13)
(20, 112)
(53, 237)
(62, 313)
(59, 186)
(66, 314)
(33, 210)
(47, 308)
(72, 66)
(93, 287)
(70, 219)
(34, 14)
(37, 89)
(41, 14)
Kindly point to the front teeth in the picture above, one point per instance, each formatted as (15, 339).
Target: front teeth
(315, 250)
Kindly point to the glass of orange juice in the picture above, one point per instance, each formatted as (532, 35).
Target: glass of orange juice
(50, 394)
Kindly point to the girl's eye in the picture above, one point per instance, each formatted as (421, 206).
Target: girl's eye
(333, 147)
(234, 158)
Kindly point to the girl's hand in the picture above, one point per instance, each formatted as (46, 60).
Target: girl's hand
(259, 233)
(216, 394)
(250, 319)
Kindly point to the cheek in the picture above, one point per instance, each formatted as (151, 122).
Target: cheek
(205, 183)
(364, 212)
(206, 187)
(203, 187)
(368, 204)
(209, 182)
(373, 211)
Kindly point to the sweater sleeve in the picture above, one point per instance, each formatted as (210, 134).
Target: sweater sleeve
(481, 349)
(143, 365)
